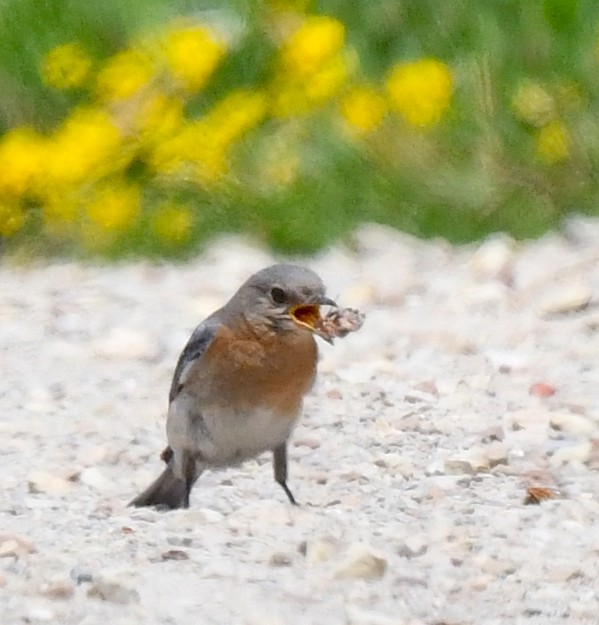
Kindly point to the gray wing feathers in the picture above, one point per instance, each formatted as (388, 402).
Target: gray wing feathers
(197, 345)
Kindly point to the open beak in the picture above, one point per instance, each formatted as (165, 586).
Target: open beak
(308, 315)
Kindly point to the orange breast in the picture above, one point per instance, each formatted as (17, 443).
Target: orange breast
(248, 370)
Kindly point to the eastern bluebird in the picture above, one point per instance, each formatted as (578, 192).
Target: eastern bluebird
(240, 381)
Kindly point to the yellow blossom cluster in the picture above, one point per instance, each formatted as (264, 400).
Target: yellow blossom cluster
(192, 53)
(535, 105)
(77, 173)
(66, 66)
(313, 65)
(420, 91)
(149, 119)
(363, 108)
(553, 142)
(199, 149)
(124, 75)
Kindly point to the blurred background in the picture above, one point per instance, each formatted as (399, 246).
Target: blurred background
(146, 127)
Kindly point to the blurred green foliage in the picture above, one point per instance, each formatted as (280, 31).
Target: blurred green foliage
(292, 120)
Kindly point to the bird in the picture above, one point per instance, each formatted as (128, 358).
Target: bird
(240, 381)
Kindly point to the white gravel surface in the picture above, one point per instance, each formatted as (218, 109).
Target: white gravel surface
(473, 379)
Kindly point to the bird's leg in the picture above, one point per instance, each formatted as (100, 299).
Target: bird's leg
(191, 472)
(280, 468)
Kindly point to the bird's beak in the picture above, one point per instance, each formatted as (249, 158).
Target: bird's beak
(308, 315)
(325, 301)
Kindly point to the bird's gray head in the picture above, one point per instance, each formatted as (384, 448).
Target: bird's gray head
(284, 297)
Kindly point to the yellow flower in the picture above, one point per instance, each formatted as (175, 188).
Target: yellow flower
(199, 150)
(86, 147)
(195, 153)
(553, 142)
(318, 39)
(124, 75)
(312, 66)
(22, 158)
(362, 109)
(158, 117)
(114, 206)
(327, 80)
(235, 114)
(66, 66)
(12, 218)
(172, 223)
(533, 105)
(420, 91)
(192, 54)
(293, 95)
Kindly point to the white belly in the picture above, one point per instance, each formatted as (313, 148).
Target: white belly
(240, 437)
(226, 438)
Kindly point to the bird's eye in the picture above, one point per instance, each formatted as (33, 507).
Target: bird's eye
(278, 295)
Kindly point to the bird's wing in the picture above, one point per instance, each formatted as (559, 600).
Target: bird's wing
(196, 347)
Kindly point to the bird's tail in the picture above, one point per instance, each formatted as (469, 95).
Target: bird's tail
(168, 491)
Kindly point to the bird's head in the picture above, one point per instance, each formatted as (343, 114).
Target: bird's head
(286, 297)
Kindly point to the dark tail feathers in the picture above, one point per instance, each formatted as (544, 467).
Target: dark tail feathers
(168, 491)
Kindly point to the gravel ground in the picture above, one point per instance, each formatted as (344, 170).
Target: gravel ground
(473, 380)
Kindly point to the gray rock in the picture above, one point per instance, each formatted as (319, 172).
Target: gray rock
(81, 575)
(413, 546)
(280, 559)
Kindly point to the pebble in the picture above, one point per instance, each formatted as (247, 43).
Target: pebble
(572, 423)
(396, 463)
(567, 299)
(564, 573)
(81, 575)
(174, 554)
(279, 559)
(39, 614)
(113, 592)
(44, 482)
(413, 546)
(580, 452)
(542, 389)
(495, 453)
(480, 582)
(493, 433)
(211, 516)
(493, 258)
(321, 549)
(535, 422)
(478, 459)
(180, 541)
(59, 589)
(361, 562)
(310, 443)
(460, 466)
(93, 477)
(14, 545)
